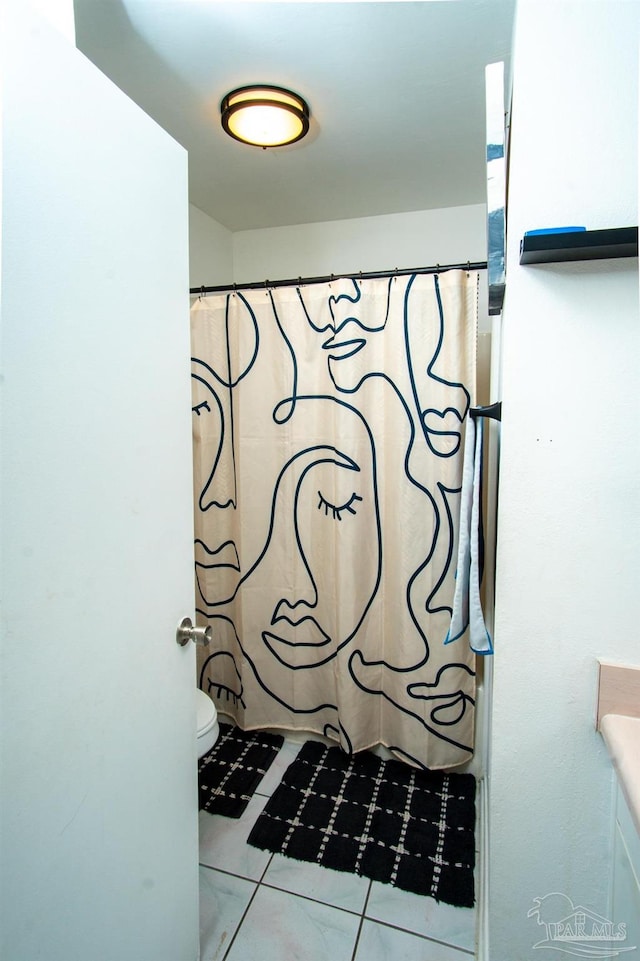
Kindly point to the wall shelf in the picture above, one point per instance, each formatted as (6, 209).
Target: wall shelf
(554, 248)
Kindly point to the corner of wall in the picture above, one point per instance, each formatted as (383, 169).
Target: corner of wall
(210, 250)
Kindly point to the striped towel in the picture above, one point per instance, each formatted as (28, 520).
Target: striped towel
(467, 609)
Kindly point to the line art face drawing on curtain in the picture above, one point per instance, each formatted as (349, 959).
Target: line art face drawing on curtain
(328, 427)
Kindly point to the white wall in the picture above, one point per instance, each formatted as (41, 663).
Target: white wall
(416, 239)
(59, 13)
(210, 251)
(568, 565)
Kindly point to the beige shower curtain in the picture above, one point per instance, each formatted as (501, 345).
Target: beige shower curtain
(328, 426)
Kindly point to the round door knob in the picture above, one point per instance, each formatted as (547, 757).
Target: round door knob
(187, 632)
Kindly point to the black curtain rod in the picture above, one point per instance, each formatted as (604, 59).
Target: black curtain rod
(360, 275)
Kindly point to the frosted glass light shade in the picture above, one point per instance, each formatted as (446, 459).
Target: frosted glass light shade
(264, 115)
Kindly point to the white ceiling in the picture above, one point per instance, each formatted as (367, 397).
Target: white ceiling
(396, 92)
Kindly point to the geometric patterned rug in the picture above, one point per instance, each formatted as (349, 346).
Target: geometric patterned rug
(381, 819)
(230, 773)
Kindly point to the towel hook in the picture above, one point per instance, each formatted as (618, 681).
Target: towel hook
(494, 411)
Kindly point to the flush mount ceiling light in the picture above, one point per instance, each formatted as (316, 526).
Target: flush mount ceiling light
(265, 116)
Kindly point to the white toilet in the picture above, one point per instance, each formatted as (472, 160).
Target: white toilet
(208, 728)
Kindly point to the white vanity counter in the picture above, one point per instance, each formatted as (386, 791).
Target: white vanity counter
(621, 734)
(618, 721)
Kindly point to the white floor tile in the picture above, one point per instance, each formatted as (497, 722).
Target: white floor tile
(308, 912)
(283, 927)
(336, 888)
(433, 919)
(287, 753)
(380, 943)
(223, 901)
(223, 842)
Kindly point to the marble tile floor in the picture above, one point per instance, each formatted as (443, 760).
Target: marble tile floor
(258, 906)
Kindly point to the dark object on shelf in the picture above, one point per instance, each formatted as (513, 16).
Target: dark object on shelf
(549, 248)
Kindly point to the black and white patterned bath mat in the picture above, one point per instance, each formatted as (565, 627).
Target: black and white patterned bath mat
(382, 819)
(230, 773)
